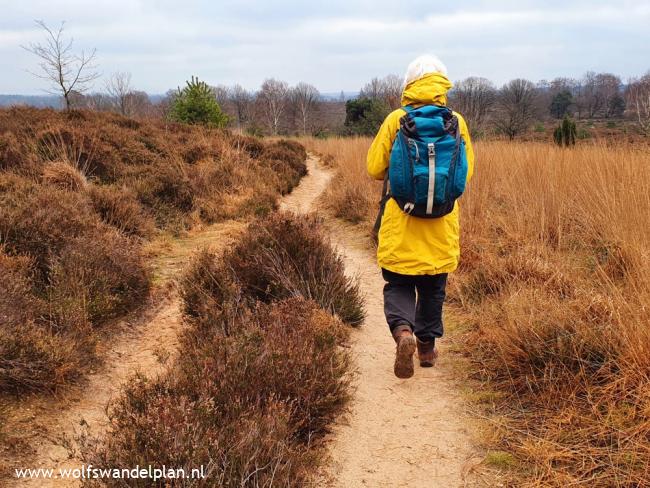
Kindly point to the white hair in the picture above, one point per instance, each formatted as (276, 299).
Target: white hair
(423, 65)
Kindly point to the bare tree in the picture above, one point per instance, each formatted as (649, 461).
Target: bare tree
(67, 72)
(273, 98)
(637, 96)
(139, 104)
(305, 98)
(387, 89)
(240, 99)
(473, 98)
(599, 94)
(372, 89)
(392, 91)
(221, 95)
(119, 88)
(515, 107)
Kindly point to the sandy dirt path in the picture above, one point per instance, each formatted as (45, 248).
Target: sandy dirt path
(398, 433)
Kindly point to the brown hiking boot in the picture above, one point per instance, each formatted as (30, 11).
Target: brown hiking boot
(427, 353)
(404, 353)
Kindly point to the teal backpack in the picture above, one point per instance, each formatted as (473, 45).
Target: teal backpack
(427, 171)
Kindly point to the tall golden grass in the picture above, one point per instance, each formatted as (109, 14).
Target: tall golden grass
(553, 291)
(352, 196)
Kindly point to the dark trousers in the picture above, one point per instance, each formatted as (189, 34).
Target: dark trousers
(423, 312)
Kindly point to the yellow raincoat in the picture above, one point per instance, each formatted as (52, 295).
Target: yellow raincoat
(412, 245)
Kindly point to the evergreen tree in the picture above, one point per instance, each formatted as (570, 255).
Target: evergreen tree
(560, 104)
(565, 133)
(616, 106)
(197, 104)
(363, 116)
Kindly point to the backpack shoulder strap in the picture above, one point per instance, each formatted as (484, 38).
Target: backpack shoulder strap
(385, 196)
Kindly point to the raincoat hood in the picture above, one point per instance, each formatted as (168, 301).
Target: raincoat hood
(432, 88)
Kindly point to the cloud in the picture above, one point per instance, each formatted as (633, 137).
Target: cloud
(334, 45)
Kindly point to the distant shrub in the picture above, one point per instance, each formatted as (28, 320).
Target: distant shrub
(583, 133)
(255, 131)
(565, 133)
(363, 116)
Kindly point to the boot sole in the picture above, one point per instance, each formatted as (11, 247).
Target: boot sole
(404, 358)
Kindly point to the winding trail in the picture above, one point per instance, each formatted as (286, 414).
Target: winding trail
(398, 433)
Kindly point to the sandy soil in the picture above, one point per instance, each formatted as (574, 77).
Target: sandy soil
(398, 433)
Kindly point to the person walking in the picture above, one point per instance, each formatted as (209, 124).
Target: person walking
(424, 154)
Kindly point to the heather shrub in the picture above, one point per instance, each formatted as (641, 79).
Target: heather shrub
(251, 145)
(247, 405)
(242, 446)
(99, 276)
(158, 163)
(32, 358)
(65, 176)
(293, 158)
(211, 298)
(79, 194)
(287, 162)
(119, 207)
(285, 255)
(38, 221)
(12, 155)
(18, 302)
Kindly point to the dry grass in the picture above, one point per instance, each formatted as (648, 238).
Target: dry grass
(554, 288)
(257, 383)
(80, 193)
(352, 202)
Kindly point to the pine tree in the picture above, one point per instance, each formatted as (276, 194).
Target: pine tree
(196, 104)
(565, 133)
(560, 104)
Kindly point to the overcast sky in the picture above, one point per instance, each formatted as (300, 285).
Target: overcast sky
(333, 44)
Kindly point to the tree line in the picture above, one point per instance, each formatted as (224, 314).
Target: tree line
(513, 108)
(278, 108)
